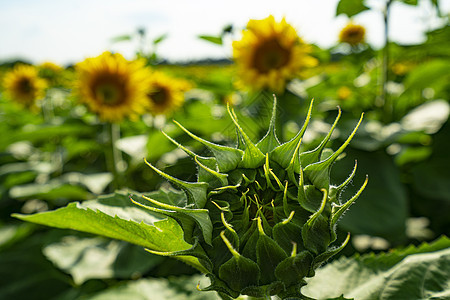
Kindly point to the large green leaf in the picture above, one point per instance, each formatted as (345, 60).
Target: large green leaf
(44, 133)
(87, 258)
(411, 273)
(25, 271)
(174, 288)
(115, 216)
(426, 74)
(350, 7)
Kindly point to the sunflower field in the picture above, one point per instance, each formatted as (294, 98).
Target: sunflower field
(287, 171)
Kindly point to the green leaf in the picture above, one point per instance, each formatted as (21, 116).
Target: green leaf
(319, 173)
(313, 156)
(410, 2)
(159, 39)
(253, 157)
(284, 153)
(428, 117)
(411, 273)
(239, 272)
(91, 258)
(227, 158)
(383, 201)
(47, 132)
(427, 73)
(316, 231)
(50, 191)
(213, 39)
(24, 268)
(118, 220)
(121, 38)
(195, 191)
(174, 288)
(268, 254)
(293, 269)
(350, 7)
(270, 140)
(200, 216)
(214, 178)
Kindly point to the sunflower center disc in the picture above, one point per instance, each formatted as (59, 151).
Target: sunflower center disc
(107, 93)
(159, 96)
(270, 55)
(24, 86)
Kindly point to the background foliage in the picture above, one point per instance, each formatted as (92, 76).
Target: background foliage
(56, 157)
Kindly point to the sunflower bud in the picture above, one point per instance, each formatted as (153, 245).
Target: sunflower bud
(261, 217)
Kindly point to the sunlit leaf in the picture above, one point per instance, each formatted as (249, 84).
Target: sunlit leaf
(157, 289)
(213, 39)
(350, 7)
(111, 216)
(87, 258)
(411, 273)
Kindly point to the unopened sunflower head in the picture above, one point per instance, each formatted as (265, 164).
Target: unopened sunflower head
(269, 54)
(261, 217)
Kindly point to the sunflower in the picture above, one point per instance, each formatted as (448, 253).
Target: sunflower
(23, 85)
(270, 53)
(113, 87)
(165, 94)
(352, 34)
(344, 93)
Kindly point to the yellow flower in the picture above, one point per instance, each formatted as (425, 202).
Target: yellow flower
(50, 67)
(165, 94)
(270, 53)
(23, 85)
(113, 87)
(401, 68)
(344, 93)
(352, 34)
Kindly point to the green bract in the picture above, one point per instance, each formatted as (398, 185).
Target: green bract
(261, 217)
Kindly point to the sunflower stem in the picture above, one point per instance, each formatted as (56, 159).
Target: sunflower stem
(113, 155)
(47, 109)
(384, 97)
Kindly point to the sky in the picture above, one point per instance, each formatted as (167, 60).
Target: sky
(68, 31)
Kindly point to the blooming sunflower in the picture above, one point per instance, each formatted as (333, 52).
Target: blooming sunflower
(23, 85)
(352, 34)
(165, 94)
(270, 53)
(113, 87)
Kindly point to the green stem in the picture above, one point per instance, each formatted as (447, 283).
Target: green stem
(384, 97)
(113, 155)
(47, 109)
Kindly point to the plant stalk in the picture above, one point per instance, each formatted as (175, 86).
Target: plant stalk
(113, 155)
(384, 97)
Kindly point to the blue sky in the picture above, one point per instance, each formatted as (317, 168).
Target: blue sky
(70, 30)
